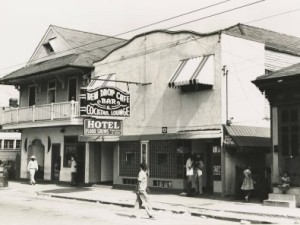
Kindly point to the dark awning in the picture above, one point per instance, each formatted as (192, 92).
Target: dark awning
(249, 136)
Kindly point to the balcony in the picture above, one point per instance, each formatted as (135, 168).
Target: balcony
(62, 113)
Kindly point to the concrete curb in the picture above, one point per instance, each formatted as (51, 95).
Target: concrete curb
(199, 212)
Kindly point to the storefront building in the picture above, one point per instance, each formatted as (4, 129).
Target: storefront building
(183, 87)
(156, 98)
(282, 90)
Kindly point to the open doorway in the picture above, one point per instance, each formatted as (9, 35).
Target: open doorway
(37, 149)
(55, 162)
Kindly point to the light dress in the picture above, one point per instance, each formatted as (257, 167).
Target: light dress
(248, 183)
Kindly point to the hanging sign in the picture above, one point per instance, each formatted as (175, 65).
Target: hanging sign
(102, 127)
(104, 101)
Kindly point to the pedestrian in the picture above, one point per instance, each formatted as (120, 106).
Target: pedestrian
(198, 168)
(285, 183)
(189, 174)
(248, 183)
(73, 171)
(141, 192)
(32, 168)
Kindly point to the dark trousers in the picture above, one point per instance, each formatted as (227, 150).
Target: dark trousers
(189, 184)
(73, 178)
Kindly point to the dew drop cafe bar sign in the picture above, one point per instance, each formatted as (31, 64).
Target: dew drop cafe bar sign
(104, 101)
(102, 127)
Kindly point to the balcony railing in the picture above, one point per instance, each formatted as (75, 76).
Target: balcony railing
(53, 111)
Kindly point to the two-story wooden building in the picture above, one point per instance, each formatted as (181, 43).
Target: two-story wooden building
(48, 115)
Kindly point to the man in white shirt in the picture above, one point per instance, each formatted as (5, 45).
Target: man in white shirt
(189, 174)
(32, 168)
(73, 171)
(141, 194)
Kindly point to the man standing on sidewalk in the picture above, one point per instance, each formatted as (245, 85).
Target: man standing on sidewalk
(32, 168)
(141, 194)
(73, 171)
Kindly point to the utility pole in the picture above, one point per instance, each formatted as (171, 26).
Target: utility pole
(225, 73)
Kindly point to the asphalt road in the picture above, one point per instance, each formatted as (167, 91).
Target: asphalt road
(18, 209)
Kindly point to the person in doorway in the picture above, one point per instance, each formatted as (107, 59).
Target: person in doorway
(198, 168)
(189, 175)
(285, 183)
(32, 167)
(73, 171)
(248, 183)
(141, 193)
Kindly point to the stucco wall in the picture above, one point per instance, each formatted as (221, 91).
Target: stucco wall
(244, 60)
(156, 105)
(55, 136)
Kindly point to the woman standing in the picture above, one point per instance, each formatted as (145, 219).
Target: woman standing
(248, 183)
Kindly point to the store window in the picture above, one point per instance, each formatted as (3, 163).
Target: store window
(130, 158)
(288, 130)
(162, 159)
(129, 154)
(72, 148)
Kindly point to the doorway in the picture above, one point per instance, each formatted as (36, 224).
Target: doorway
(55, 162)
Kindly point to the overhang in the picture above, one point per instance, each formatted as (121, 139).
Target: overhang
(248, 136)
(74, 60)
(198, 70)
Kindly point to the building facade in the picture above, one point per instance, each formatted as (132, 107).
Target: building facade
(156, 98)
(281, 88)
(48, 112)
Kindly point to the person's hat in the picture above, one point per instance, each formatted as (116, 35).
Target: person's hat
(32, 157)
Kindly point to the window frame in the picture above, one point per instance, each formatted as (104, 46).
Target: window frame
(76, 88)
(289, 130)
(50, 89)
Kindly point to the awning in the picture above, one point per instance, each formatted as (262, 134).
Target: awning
(199, 70)
(248, 136)
(102, 81)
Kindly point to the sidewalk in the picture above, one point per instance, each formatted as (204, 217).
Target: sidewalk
(196, 206)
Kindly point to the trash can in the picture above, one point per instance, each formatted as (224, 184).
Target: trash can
(3, 177)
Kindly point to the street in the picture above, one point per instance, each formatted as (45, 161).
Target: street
(23, 209)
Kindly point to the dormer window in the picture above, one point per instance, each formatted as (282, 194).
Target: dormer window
(48, 48)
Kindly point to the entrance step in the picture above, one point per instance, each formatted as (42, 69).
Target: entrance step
(281, 200)
(280, 203)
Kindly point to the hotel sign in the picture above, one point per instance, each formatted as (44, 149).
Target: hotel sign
(104, 101)
(102, 127)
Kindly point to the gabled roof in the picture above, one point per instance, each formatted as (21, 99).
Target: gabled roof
(249, 136)
(91, 45)
(289, 71)
(88, 48)
(273, 40)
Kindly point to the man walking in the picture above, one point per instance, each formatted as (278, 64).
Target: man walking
(32, 168)
(141, 194)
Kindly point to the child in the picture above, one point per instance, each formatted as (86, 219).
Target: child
(285, 183)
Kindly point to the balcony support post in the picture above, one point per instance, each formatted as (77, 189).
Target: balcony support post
(52, 112)
(33, 113)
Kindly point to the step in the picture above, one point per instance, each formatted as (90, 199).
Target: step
(284, 197)
(280, 203)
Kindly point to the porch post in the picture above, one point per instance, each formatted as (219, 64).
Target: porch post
(87, 163)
